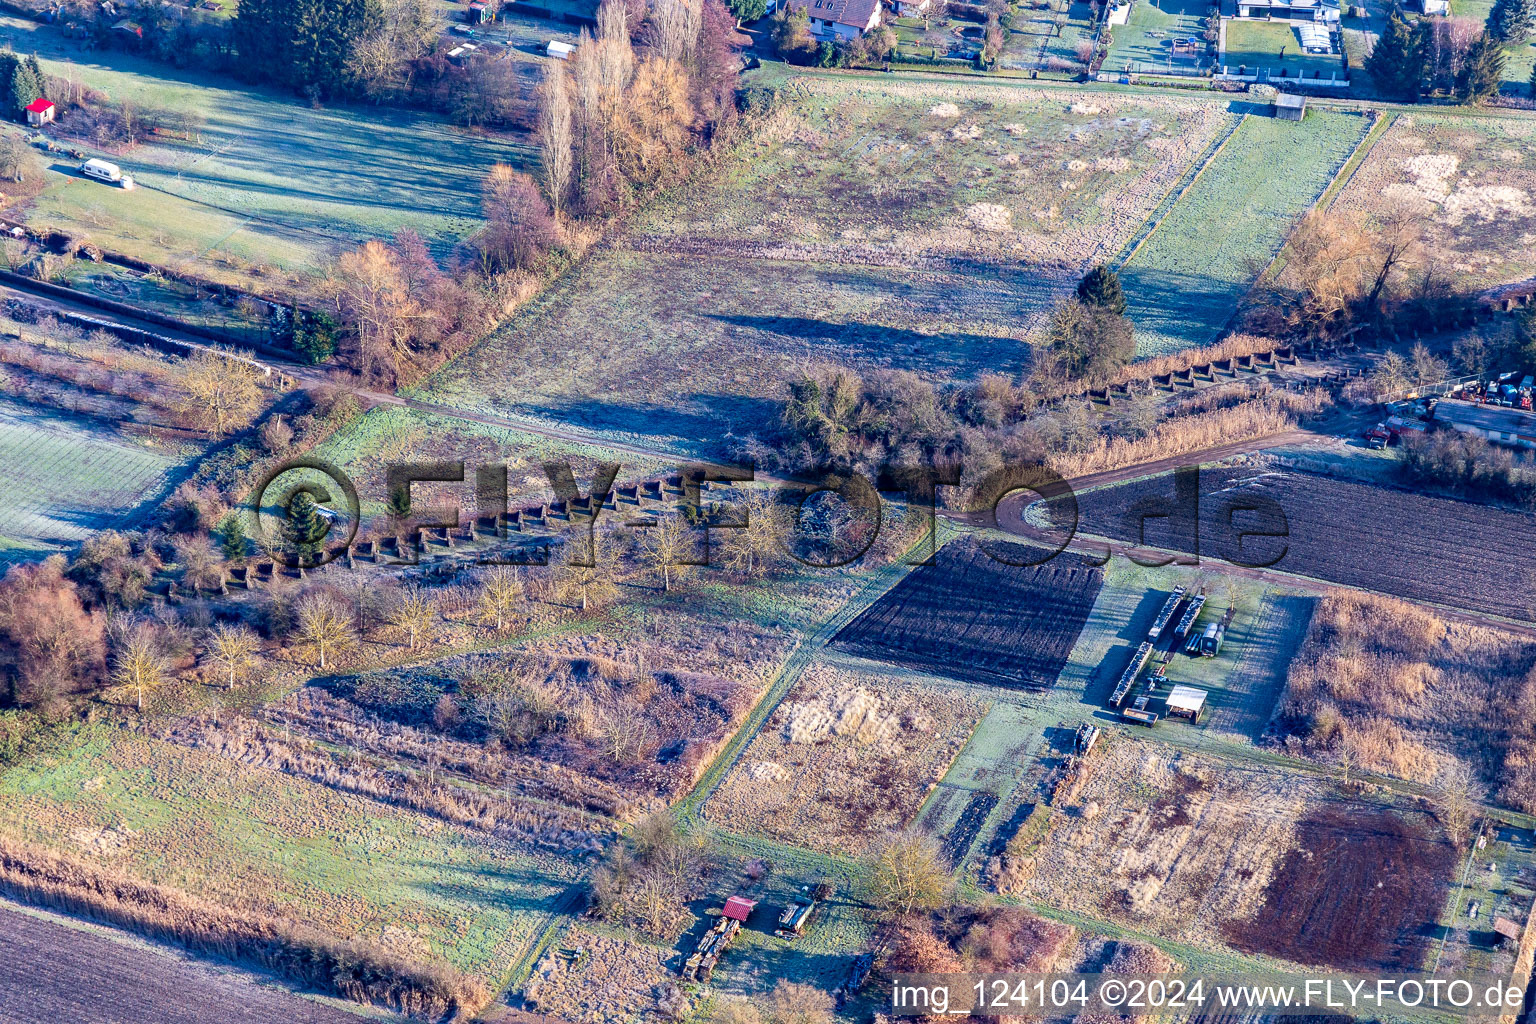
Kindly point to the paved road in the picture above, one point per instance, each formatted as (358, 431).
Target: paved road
(52, 974)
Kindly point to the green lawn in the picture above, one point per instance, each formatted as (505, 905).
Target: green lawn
(1184, 281)
(1276, 46)
(270, 180)
(64, 482)
(1145, 43)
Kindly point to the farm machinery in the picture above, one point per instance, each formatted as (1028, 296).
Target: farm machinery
(700, 965)
(1074, 771)
(795, 917)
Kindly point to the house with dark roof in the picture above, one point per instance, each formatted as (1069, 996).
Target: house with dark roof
(1290, 10)
(839, 19)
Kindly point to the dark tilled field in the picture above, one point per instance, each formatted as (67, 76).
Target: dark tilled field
(51, 974)
(973, 617)
(1361, 891)
(1456, 553)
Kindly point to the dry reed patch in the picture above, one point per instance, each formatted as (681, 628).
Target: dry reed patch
(1178, 436)
(1178, 846)
(844, 759)
(1391, 688)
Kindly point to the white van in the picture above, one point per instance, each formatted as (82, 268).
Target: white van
(101, 170)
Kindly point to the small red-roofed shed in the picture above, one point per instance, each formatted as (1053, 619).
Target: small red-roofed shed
(41, 111)
(737, 908)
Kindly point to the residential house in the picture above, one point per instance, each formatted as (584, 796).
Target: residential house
(1289, 10)
(839, 20)
(910, 8)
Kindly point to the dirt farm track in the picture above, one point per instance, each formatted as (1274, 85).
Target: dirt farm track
(52, 974)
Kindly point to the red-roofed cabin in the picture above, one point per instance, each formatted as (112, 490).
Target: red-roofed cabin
(41, 111)
(737, 908)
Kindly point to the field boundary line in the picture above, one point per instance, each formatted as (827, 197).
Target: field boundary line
(519, 970)
(1181, 189)
(1357, 159)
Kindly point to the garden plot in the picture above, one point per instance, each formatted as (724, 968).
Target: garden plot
(1474, 180)
(270, 181)
(1259, 861)
(263, 840)
(1275, 46)
(64, 483)
(976, 618)
(846, 758)
(1184, 281)
(1395, 542)
(908, 225)
(1037, 40)
(593, 977)
(1146, 42)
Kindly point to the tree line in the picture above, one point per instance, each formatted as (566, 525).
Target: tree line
(1448, 57)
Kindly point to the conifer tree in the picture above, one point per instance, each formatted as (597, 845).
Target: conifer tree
(1484, 70)
(1396, 64)
(305, 527)
(1101, 288)
(1511, 21)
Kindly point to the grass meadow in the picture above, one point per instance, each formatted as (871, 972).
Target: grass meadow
(65, 482)
(913, 225)
(1184, 280)
(271, 182)
(390, 435)
(1474, 180)
(248, 837)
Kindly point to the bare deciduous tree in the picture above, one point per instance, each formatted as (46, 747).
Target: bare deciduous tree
(1455, 807)
(626, 730)
(556, 136)
(905, 875)
(667, 547)
(501, 592)
(137, 662)
(325, 627)
(590, 585)
(220, 391)
(754, 546)
(794, 1002)
(232, 648)
(414, 614)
